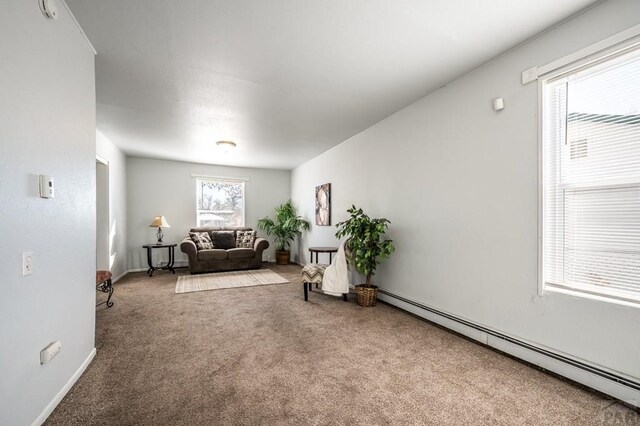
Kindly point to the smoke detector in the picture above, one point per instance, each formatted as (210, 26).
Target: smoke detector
(226, 146)
(49, 8)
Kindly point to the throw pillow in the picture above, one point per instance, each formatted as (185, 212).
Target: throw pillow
(224, 239)
(202, 240)
(246, 239)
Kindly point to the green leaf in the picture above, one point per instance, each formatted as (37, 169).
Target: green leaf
(364, 236)
(286, 226)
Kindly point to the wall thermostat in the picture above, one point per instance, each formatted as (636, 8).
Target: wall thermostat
(49, 8)
(46, 186)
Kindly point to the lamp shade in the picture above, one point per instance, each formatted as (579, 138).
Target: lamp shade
(159, 222)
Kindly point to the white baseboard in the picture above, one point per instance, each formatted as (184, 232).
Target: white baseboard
(579, 371)
(119, 277)
(146, 268)
(56, 400)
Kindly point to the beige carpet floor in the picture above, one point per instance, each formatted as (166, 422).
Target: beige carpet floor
(261, 355)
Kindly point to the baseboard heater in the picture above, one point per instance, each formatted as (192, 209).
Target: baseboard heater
(632, 385)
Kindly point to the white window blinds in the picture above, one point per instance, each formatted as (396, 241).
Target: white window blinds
(591, 178)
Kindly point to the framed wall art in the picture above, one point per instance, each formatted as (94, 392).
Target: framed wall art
(323, 205)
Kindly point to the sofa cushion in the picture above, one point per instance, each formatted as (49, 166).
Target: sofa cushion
(241, 253)
(246, 239)
(202, 240)
(223, 239)
(213, 254)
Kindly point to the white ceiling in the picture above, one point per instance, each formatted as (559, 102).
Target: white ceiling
(285, 79)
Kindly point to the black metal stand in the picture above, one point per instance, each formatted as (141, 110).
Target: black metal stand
(106, 287)
(308, 287)
(169, 265)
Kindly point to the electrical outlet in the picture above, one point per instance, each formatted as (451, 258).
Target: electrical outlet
(27, 263)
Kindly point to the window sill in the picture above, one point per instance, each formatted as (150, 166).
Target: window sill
(619, 299)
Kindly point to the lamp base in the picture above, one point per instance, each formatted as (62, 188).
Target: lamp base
(160, 235)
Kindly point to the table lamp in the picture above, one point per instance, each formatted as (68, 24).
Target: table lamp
(159, 222)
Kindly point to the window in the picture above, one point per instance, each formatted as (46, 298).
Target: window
(591, 178)
(220, 202)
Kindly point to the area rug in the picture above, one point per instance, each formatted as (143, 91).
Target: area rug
(220, 280)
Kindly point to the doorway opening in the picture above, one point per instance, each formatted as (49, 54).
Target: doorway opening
(102, 215)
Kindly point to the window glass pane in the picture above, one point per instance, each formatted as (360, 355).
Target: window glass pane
(601, 238)
(603, 123)
(220, 203)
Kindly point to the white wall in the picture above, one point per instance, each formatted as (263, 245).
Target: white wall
(47, 126)
(102, 217)
(160, 187)
(459, 183)
(117, 203)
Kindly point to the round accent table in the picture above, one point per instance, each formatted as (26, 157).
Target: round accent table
(318, 250)
(169, 265)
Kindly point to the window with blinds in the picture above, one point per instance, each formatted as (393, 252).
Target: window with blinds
(591, 178)
(219, 202)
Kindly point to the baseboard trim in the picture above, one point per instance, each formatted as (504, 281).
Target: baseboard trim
(61, 394)
(176, 265)
(119, 277)
(157, 269)
(620, 387)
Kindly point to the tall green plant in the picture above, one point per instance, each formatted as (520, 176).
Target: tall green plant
(367, 247)
(286, 226)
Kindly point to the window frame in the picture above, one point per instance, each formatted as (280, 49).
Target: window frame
(216, 179)
(601, 52)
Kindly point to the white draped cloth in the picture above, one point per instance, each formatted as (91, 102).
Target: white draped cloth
(335, 281)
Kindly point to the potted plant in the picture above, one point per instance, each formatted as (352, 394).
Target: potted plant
(286, 226)
(366, 249)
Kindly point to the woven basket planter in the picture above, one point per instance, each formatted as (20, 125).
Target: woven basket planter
(367, 296)
(282, 257)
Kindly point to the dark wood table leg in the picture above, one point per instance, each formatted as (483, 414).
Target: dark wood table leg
(149, 262)
(306, 292)
(171, 259)
(316, 262)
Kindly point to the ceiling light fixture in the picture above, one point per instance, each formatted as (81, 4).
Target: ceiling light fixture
(226, 146)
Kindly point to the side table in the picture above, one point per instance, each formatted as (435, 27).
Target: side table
(318, 250)
(168, 266)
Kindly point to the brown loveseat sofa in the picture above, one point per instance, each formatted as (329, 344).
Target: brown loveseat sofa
(222, 260)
